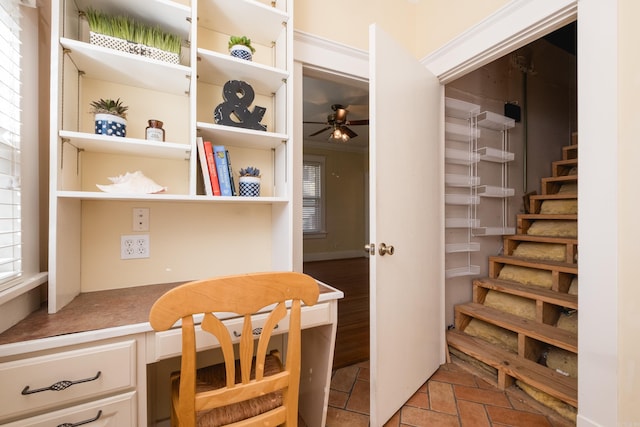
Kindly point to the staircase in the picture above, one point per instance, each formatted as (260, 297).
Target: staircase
(521, 326)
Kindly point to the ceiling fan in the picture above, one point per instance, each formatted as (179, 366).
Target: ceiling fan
(337, 122)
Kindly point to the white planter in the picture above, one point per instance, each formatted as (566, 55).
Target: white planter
(108, 124)
(241, 51)
(249, 186)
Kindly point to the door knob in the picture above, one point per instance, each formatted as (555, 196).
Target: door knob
(370, 248)
(384, 249)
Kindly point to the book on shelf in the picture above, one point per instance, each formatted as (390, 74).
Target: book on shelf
(222, 166)
(231, 180)
(213, 168)
(202, 157)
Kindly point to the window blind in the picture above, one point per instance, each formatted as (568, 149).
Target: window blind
(311, 197)
(10, 122)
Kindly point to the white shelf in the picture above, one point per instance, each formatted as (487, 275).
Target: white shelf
(489, 154)
(131, 146)
(493, 231)
(461, 223)
(460, 157)
(459, 132)
(493, 191)
(102, 63)
(162, 197)
(461, 199)
(494, 121)
(263, 24)
(461, 247)
(470, 270)
(460, 109)
(217, 68)
(459, 180)
(240, 137)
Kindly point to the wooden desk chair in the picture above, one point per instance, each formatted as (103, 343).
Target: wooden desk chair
(255, 395)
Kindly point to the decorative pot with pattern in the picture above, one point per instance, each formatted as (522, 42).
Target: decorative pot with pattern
(109, 124)
(249, 186)
(241, 51)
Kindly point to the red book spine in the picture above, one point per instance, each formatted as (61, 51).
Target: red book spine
(213, 174)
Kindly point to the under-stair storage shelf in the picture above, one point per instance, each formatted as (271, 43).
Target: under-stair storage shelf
(493, 231)
(471, 270)
(459, 132)
(459, 109)
(494, 121)
(493, 191)
(461, 199)
(451, 248)
(489, 154)
(459, 180)
(461, 223)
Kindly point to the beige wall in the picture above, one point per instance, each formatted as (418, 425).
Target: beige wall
(418, 24)
(629, 206)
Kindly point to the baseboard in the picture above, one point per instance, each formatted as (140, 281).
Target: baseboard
(325, 256)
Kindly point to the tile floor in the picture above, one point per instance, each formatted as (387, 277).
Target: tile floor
(451, 397)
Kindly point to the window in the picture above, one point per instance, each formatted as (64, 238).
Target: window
(10, 115)
(313, 195)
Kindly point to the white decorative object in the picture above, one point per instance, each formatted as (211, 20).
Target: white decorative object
(132, 183)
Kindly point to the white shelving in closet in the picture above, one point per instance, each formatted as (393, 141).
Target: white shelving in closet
(497, 132)
(184, 97)
(460, 181)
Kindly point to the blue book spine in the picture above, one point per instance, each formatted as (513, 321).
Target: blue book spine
(222, 166)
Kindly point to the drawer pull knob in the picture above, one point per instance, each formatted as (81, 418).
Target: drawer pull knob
(255, 332)
(79, 423)
(60, 385)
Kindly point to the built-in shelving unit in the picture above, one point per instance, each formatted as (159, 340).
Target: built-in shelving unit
(84, 240)
(466, 192)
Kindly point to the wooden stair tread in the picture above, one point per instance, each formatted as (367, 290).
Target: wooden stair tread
(536, 217)
(561, 178)
(561, 267)
(530, 292)
(538, 376)
(565, 162)
(542, 239)
(530, 328)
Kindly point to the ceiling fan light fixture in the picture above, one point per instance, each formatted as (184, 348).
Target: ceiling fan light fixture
(338, 136)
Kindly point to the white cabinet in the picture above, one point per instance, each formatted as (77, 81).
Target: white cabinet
(191, 235)
(72, 386)
(476, 180)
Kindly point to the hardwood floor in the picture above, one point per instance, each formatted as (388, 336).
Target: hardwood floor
(351, 276)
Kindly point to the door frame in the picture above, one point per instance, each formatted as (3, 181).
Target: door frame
(516, 24)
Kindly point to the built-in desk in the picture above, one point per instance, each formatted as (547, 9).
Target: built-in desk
(103, 341)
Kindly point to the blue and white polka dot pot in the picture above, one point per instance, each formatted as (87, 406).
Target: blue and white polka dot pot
(241, 51)
(249, 186)
(108, 124)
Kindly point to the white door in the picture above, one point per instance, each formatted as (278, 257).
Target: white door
(407, 212)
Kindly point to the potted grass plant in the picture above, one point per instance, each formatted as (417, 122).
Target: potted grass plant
(110, 117)
(125, 34)
(249, 182)
(240, 47)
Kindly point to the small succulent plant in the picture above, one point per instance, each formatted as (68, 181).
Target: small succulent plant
(109, 106)
(241, 40)
(250, 171)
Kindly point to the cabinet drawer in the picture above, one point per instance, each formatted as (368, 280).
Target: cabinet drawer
(65, 378)
(116, 411)
(162, 345)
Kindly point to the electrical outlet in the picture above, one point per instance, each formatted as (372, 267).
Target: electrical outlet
(140, 219)
(134, 246)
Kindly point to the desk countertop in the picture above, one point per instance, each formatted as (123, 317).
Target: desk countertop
(98, 310)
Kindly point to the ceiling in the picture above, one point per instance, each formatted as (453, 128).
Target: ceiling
(320, 91)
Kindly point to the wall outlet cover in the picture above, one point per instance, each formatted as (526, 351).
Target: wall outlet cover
(134, 246)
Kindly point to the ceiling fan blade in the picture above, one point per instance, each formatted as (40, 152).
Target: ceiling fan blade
(358, 122)
(348, 131)
(320, 131)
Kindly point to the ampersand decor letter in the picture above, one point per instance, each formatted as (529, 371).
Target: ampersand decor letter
(234, 111)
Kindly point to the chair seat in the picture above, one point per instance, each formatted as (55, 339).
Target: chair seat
(214, 377)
